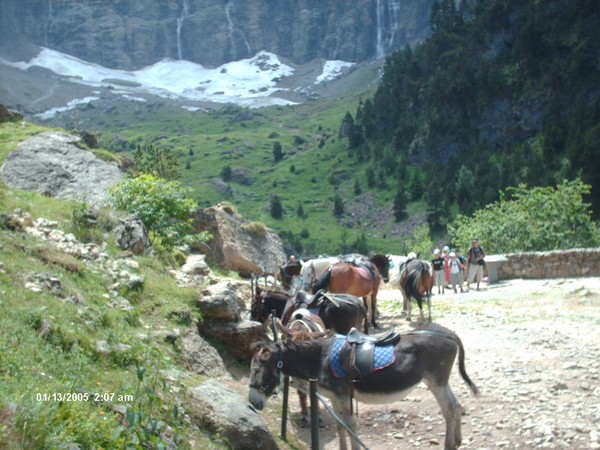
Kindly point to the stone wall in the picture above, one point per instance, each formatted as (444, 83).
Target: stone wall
(559, 263)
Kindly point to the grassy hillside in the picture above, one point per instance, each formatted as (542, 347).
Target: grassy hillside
(314, 168)
(74, 369)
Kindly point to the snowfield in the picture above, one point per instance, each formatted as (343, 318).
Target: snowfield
(251, 82)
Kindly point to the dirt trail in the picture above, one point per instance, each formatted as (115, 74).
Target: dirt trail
(533, 349)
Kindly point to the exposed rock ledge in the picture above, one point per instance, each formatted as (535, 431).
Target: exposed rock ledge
(52, 164)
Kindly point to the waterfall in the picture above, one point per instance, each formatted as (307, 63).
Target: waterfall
(387, 14)
(49, 20)
(232, 31)
(379, 50)
(231, 28)
(185, 12)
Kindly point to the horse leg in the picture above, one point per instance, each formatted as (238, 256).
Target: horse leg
(374, 309)
(421, 316)
(404, 303)
(408, 309)
(452, 412)
(303, 409)
(367, 302)
(429, 304)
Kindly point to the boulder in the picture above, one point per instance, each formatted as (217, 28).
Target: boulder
(222, 301)
(51, 163)
(201, 357)
(237, 336)
(237, 244)
(223, 412)
(195, 265)
(131, 234)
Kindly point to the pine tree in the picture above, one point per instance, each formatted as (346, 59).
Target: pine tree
(277, 151)
(400, 204)
(338, 205)
(276, 207)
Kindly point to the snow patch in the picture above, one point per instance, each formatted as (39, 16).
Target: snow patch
(332, 70)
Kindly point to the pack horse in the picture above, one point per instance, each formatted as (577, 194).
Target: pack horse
(358, 276)
(416, 282)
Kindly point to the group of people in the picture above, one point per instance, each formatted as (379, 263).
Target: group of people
(449, 267)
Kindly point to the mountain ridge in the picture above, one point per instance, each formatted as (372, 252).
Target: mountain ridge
(131, 35)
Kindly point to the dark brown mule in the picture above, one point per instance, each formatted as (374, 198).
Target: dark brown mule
(266, 301)
(426, 354)
(304, 326)
(359, 277)
(416, 282)
(339, 312)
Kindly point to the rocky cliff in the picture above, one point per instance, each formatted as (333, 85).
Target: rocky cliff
(132, 34)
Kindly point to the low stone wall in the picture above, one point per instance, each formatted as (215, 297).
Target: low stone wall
(559, 263)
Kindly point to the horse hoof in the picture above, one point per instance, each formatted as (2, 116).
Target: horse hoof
(321, 423)
(303, 423)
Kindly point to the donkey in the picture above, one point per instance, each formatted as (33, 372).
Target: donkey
(425, 354)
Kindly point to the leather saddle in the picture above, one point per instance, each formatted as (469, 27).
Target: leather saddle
(357, 354)
(309, 300)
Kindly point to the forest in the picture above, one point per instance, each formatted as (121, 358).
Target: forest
(504, 92)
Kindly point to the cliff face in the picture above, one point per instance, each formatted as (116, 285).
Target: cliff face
(132, 34)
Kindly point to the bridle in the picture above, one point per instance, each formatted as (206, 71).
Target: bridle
(274, 381)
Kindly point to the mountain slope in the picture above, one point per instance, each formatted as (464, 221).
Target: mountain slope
(502, 93)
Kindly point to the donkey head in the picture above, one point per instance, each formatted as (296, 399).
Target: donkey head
(265, 371)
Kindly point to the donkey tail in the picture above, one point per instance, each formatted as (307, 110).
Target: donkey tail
(323, 281)
(461, 366)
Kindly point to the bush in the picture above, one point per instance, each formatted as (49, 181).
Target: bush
(162, 205)
(532, 219)
(257, 229)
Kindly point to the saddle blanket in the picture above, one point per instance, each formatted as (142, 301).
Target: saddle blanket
(384, 357)
(363, 273)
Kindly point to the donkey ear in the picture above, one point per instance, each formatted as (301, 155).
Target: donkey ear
(285, 330)
(265, 354)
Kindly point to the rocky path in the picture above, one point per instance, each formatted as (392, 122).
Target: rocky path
(533, 349)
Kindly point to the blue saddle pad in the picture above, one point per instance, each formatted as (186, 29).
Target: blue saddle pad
(384, 357)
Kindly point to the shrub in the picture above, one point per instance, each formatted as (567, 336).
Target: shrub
(257, 229)
(162, 205)
(532, 219)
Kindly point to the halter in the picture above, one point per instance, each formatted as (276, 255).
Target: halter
(273, 382)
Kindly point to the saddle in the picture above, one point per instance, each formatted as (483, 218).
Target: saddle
(310, 300)
(360, 262)
(313, 301)
(358, 356)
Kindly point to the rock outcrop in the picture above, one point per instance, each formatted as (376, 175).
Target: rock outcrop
(237, 244)
(222, 411)
(133, 34)
(51, 163)
(131, 234)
